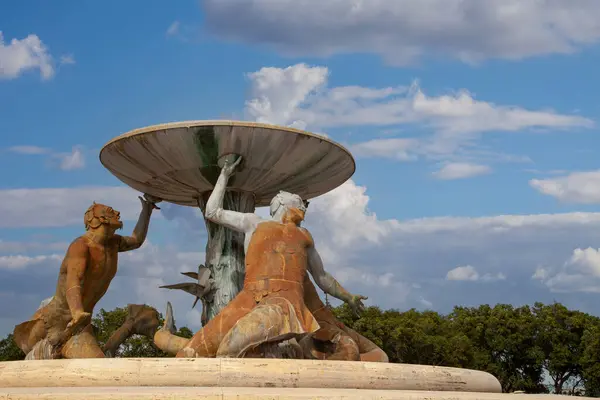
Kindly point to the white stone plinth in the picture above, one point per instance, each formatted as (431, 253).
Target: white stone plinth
(237, 393)
(252, 379)
(241, 372)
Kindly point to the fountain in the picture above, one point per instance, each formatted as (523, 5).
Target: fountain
(181, 163)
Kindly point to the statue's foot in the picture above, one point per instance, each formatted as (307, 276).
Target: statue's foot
(169, 324)
(144, 320)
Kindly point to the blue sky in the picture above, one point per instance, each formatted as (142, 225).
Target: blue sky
(474, 128)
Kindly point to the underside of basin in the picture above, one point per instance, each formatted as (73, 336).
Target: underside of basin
(178, 162)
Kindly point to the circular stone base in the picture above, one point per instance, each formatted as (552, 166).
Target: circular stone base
(237, 393)
(232, 378)
(241, 373)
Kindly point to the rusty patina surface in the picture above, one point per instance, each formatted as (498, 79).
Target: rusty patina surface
(333, 340)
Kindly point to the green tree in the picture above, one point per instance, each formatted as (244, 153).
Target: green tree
(9, 350)
(590, 358)
(504, 341)
(560, 334)
(410, 337)
(426, 338)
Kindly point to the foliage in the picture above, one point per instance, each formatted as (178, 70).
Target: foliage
(590, 358)
(9, 350)
(518, 345)
(504, 341)
(560, 336)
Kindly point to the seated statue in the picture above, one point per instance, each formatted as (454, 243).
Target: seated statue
(333, 340)
(270, 308)
(61, 328)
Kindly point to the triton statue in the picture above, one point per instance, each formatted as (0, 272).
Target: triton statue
(61, 327)
(270, 307)
(333, 340)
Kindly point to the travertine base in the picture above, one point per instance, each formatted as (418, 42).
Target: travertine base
(240, 372)
(189, 393)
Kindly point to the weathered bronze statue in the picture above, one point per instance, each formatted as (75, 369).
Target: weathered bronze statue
(61, 328)
(271, 306)
(333, 340)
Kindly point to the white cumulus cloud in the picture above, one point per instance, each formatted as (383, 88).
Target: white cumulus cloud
(23, 208)
(464, 273)
(71, 161)
(299, 96)
(405, 31)
(23, 261)
(20, 55)
(580, 273)
(577, 187)
(29, 150)
(452, 171)
(64, 161)
(469, 273)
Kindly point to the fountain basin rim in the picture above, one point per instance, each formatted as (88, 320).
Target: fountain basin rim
(243, 372)
(199, 123)
(114, 159)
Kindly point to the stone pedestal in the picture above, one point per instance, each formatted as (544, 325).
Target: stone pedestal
(178, 378)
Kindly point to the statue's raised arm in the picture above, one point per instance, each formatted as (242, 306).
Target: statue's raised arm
(138, 237)
(241, 222)
(329, 284)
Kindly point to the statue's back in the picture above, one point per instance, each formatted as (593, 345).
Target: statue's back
(277, 252)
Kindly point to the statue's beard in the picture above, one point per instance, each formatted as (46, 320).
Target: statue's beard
(294, 215)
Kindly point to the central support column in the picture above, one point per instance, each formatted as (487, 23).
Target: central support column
(225, 256)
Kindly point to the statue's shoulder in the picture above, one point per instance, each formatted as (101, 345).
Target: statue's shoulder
(307, 234)
(79, 243)
(265, 224)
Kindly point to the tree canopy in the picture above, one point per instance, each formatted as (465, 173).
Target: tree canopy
(536, 349)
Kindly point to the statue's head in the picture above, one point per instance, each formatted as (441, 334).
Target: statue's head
(289, 207)
(99, 214)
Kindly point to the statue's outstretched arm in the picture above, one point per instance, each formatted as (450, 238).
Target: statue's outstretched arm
(137, 238)
(76, 263)
(329, 284)
(323, 279)
(241, 222)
